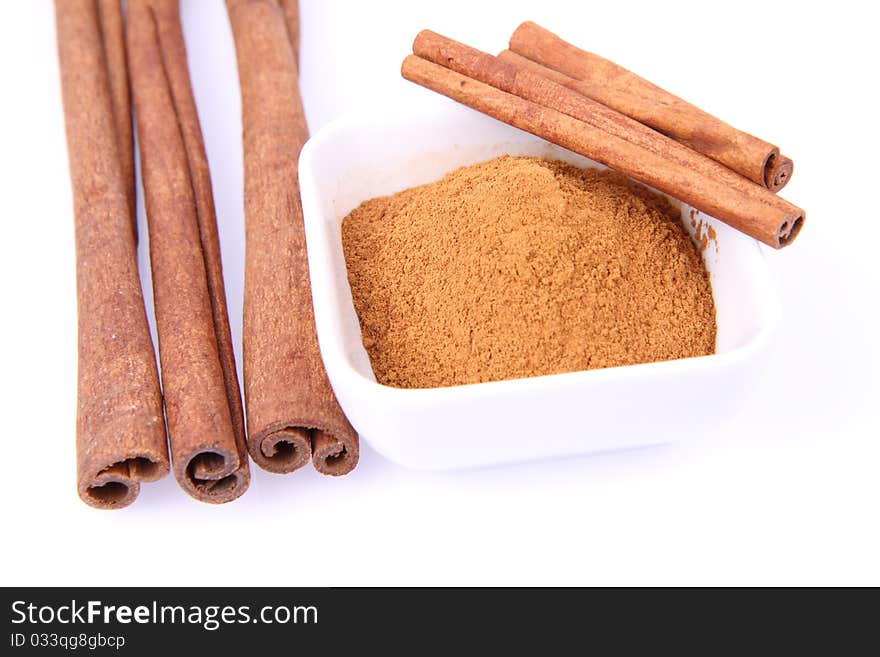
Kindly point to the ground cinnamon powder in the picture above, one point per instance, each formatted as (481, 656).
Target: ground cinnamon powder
(521, 267)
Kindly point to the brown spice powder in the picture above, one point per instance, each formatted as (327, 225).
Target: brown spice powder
(520, 267)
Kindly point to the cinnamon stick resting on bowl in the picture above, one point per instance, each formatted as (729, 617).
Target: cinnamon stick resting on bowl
(495, 87)
(292, 413)
(120, 430)
(520, 79)
(202, 398)
(626, 92)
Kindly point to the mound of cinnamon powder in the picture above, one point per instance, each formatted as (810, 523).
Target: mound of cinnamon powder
(520, 267)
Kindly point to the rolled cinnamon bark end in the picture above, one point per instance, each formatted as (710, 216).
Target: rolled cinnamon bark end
(626, 92)
(761, 218)
(202, 397)
(213, 474)
(789, 229)
(777, 172)
(333, 456)
(280, 450)
(119, 484)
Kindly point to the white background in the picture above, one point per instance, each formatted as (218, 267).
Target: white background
(786, 493)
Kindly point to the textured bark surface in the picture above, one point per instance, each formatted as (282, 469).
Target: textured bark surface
(202, 397)
(120, 434)
(626, 92)
(291, 18)
(292, 413)
(113, 39)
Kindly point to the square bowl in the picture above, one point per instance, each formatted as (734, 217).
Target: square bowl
(361, 157)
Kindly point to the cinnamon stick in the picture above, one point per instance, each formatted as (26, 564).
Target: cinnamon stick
(626, 92)
(120, 431)
(292, 412)
(518, 78)
(202, 398)
(291, 18)
(775, 224)
(113, 40)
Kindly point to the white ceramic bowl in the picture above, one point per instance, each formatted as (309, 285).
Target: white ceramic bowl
(361, 157)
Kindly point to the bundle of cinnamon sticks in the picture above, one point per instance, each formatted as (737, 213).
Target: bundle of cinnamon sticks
(598, 109)
(107, 60)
